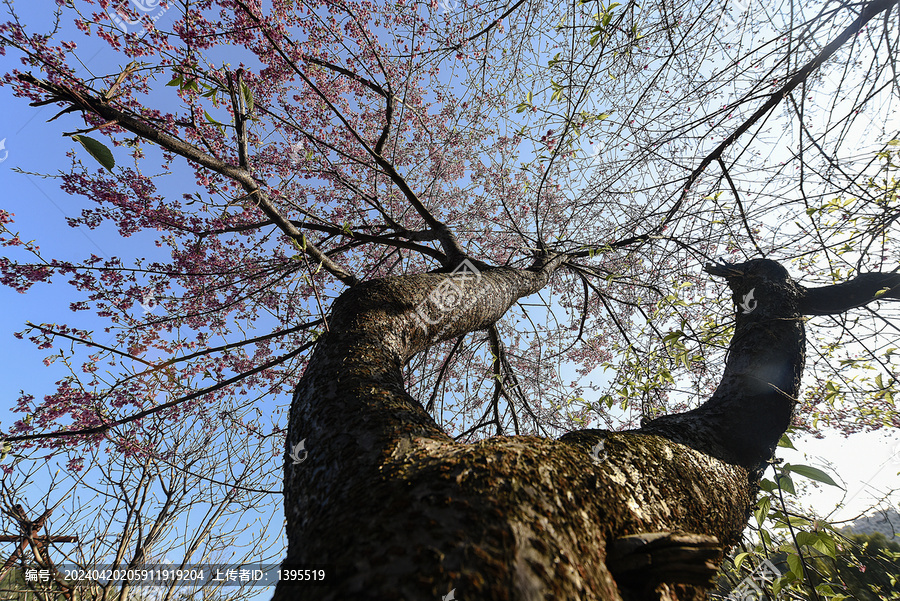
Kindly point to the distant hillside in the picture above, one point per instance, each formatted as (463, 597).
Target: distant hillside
(885, 522)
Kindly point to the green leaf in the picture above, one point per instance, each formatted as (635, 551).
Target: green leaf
(98, 150)
(795, 564)
(826, 544)
(776, 587)
(806, 538)
(812, 473)
(248, 96)
(831, 391)
(795, 522)
(786, 442)
(786, 484)
(762, 509)
(557, 91)
(218, 125)
(882, 292)
(673, 335)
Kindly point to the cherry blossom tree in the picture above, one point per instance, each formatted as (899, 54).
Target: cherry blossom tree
(171, 510)
(379, 187)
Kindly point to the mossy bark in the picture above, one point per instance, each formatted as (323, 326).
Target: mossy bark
(397, 510)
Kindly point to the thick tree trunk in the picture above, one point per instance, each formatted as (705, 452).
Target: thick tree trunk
(391, 508)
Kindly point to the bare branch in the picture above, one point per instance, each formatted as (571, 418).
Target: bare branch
(236, 90)
(141, 414)
(737, 198)
(869, 12)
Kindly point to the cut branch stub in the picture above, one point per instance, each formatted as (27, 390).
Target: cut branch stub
(647, 560)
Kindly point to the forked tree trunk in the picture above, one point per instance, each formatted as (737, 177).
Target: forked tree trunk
(392, 508)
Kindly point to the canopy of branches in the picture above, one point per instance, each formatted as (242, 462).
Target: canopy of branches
(258, 157)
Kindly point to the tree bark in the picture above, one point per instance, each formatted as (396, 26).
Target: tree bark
(392, 508)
